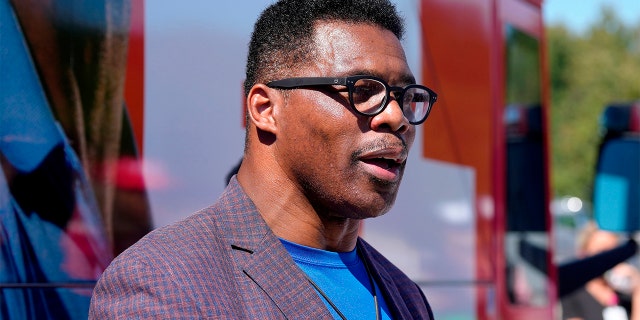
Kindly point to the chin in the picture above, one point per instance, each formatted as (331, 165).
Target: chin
(377, 209)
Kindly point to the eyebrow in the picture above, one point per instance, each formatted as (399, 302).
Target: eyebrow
(405, 79)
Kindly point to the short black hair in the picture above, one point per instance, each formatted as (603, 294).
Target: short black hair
(282, 36)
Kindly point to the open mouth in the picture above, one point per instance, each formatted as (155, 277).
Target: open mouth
(383, 169)
(382, 163)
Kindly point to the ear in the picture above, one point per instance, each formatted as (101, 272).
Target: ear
(261, 104)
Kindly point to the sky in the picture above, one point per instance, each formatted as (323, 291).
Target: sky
(578, 15)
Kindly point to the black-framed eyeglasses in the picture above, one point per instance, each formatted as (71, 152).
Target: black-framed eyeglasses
(368, 95)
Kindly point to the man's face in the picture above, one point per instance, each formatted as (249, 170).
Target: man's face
(346, 164)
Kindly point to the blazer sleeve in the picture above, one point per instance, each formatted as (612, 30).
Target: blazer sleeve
(138, 288)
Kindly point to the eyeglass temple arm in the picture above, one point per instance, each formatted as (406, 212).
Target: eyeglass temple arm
(310, 81)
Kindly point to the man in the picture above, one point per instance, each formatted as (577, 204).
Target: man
(331, 110)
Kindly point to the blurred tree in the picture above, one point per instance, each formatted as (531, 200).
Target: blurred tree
(587, 72)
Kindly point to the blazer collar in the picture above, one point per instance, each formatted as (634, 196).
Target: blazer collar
(264, 259)
(390, 291)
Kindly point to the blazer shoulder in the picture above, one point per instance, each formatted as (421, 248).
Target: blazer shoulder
(164, 272)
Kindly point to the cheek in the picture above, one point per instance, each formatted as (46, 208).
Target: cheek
(318, 130)
(320, 121)
(333, 111)
(330, 144)
(328, 106)
(319, 148)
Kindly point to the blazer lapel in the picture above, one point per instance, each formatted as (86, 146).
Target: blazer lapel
(262, 258)
(273, 270)
(392, 296)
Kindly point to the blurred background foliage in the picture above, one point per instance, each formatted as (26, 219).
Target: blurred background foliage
(588, 71)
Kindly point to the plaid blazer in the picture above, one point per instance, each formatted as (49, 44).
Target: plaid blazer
(224, 262)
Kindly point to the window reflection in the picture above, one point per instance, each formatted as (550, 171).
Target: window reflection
(527, 239)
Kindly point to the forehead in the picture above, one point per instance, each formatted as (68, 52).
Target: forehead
(343, 49)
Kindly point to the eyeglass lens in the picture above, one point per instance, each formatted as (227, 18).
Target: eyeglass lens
(369, 94)
(415, 103)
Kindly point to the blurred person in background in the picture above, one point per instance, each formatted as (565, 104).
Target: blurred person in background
(610, 296)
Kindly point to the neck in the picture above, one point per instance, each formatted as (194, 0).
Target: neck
(291, 216)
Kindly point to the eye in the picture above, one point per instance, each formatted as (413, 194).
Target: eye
(419, 97)
(362, 93)
(364, 89)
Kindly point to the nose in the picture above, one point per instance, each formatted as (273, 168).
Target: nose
(392, 118)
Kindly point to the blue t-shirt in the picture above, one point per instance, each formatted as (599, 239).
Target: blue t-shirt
(343, 277)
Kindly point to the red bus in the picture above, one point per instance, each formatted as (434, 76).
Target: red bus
(135, 119)
(474, 206)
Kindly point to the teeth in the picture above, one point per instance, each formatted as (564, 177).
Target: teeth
(394, 160)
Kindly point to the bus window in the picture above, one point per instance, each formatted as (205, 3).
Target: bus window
(617, 180)
(526, 237)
